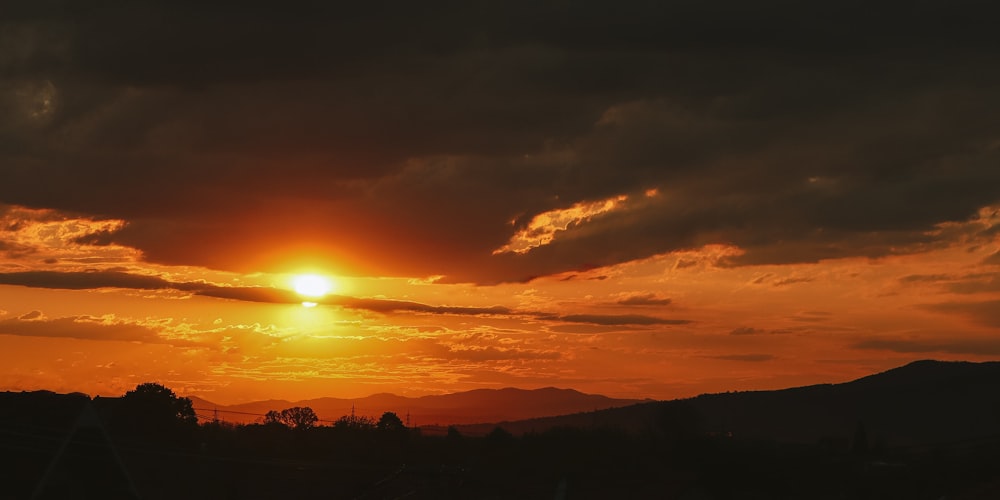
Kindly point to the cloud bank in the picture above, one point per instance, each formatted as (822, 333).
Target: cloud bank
(404, 139)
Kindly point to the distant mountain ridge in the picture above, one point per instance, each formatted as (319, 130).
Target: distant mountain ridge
(475, 406)
(921, 403)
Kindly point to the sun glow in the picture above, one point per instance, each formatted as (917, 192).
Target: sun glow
(311, 285)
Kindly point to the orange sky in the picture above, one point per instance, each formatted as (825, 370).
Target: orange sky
(635, 199)
(672, 325)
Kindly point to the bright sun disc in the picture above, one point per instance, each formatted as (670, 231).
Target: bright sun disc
(311, 285)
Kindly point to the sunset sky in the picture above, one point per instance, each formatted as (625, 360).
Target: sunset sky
(638, 199)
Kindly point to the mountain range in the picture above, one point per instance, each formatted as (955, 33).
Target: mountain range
(921, 403)
(476, 406)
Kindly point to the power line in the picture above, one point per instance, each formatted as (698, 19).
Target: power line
(216, 411)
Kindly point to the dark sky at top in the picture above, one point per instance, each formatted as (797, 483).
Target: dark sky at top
(404, 137)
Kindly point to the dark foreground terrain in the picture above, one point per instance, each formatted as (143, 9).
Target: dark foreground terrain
(72, 446)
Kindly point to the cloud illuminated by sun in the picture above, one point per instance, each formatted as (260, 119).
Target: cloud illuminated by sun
(543, 227)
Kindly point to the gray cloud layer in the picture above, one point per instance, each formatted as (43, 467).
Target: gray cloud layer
(120, 279)
(984, 347)
(796, 130)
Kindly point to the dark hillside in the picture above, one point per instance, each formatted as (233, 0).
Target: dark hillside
(922, 403)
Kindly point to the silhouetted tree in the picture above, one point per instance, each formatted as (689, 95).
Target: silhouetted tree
(499, 436)
(160, 401)
(273, 417)
(298, 417)
(390, 422)
(355, 422)
(154, 410)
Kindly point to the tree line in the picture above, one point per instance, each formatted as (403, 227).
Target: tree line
(156, 407)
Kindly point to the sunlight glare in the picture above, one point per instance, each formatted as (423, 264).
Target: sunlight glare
(311, 285)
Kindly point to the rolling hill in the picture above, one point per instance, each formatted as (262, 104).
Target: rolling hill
(919, 404)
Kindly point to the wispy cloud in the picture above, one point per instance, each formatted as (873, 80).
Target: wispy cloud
(993, 259)
(125, 280)
(746, 330)
(644, 299)
(986, 312)
(84, 327)
(743, 357)
(620, 319)
(975, 346)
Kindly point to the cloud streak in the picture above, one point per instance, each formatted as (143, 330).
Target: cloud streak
(979, 347)
(84, 327)
(985, 312)
(120, 279)
(645, 299)
(752, 358)
(621, 320)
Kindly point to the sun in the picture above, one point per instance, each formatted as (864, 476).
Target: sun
(311, 285)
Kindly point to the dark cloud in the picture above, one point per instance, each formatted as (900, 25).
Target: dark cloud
(490, 353)
(744, 357)
(982, 347)
(121, 279)
(645, 299)
(993, 260)
(682, 263)
(12, 250)
(978, 283)
(746, 330)
(925, 278)
(791, 281)
(389, 306)
(86, 280)
(812, 316)
(398, 138)
(30, 316)
(786, 331)
(972, 283)
(248, 294)
(99, 238)
(620, 319)
(985, 312)
(82, 327)
(584, 328)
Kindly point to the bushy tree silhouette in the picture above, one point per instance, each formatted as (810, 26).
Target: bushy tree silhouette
(298, 417)
(352, 422)
(499, 437)
(390, 422)
(273, 417)
(155, 411)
